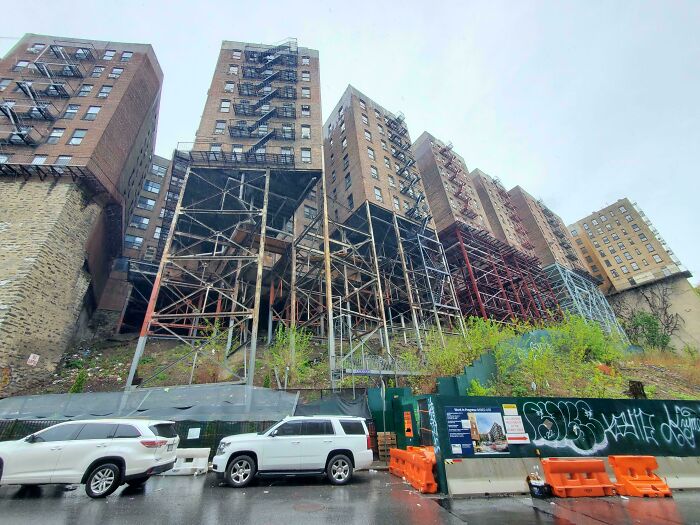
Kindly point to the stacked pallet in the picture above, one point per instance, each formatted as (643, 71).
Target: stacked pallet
(385, 442)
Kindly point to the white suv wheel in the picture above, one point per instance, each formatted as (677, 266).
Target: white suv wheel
(339, 470)
(240, 471)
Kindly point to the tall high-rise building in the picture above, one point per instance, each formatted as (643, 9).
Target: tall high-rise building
(546, 231)
(225, 266)
(506, 225)
(77, 126)
(623, 249)
(368, 159)
(450, 190)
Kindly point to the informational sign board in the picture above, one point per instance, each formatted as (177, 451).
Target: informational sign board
(515, 430)
(193, 433)
(459, 431)
(33, 359)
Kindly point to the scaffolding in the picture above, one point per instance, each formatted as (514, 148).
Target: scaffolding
(578, 293)
(493, 280)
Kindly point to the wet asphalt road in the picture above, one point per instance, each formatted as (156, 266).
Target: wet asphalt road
(372, 498)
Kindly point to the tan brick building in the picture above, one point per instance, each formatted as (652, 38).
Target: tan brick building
(502, 216)
(368, 157)
(77, 127)
(551, 240)
(450, 190)
(621, 247)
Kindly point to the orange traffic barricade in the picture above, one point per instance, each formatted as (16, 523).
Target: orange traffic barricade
(636, 477)
(575, 478)
(397, 462)
(415, 465)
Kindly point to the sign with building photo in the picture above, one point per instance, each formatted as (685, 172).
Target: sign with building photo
(487, 430)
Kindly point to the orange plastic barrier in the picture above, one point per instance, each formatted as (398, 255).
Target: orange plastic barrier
(415, 465)
(575, 478)
(635, 477)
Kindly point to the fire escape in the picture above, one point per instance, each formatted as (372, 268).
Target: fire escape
(271, 77)
(408, 177)
(458, 179)
(559, 233)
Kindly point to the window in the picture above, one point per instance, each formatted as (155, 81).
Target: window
(126, 431)
(628, 218)
(77, 138)
(615, 236)
(642, 237)
(627, 256)
(116, 72)
(63, 160)
(635, 227)
(305, 60)
(65, 432)
(158, 170)
(91, 113)
(84, 90)
(384, 145)
(344, 142)
(606, 240)
(397, 204)
(618, 259)
(373, 172)
(139, 222)
(317, 428)
(145, 203)
(657, 258)
(634, 266)
(365, 120)
(368, 135)
(151, 186)
(71, 111)
(305, 131)
(380, 128)
(109, 54)
(342, 126)
(378, 194)
(229, 87)
(225, 106)
(305, 111)
(236, 54)
(392, 182)
(362, 104)
(133, 241)
(126, 55)
(352, 428)
(309, 212)
(623, 209)
(290, 428)
(306, 155)
(585, 226)
(156, 233)
(595, 222)
(603, 218)
(38, 160)
(644, 262)
(97, 71)
(649, 247)
(305, 76)
(406, 205)
(614, 273)
(104, 91)
(387, 162)
(20, 65)
(305, 92)
(97, 431)
(55, 135)
(348, 180)
(624, 269)
(607, 263)
(232, 69)
(219, 127)
(370, 153)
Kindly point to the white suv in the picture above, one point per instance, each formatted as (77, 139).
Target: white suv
(334, 445)
(102, 453)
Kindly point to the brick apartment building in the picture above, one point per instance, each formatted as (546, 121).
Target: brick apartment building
(368, 158)
(77, 126)
(621, 248)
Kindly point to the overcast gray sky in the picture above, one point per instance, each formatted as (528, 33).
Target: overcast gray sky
(581, 103)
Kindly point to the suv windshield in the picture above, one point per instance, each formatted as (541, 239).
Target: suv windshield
(267, 428)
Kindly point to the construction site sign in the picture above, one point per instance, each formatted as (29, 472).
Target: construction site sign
(407, 424)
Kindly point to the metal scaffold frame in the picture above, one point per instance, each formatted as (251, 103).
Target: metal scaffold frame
(578, 293)
(493, 280)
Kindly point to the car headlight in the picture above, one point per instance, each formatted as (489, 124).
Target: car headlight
(223, 445)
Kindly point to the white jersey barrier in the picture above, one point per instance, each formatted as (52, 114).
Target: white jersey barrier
(190, 462)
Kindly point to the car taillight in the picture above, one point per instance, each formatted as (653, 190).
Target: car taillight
(369, 442)
(154, 443)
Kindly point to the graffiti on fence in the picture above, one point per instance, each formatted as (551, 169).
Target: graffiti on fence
(575, 425)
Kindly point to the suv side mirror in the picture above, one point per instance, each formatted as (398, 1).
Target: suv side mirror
(273, 433)
(31, 438)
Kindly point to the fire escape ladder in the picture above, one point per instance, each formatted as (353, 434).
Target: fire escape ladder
(261, 143)
(268, 80)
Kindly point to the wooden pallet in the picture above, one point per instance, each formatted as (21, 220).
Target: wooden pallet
(385, 442)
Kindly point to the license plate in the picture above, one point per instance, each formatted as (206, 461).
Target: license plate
(170, 447)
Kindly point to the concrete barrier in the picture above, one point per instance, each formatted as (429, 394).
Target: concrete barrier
(479, 476)
(190, 462)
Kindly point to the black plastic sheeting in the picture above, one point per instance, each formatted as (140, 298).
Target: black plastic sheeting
(335, 405)
(217, 402)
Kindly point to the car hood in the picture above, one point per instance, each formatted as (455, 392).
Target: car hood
(241, 437)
